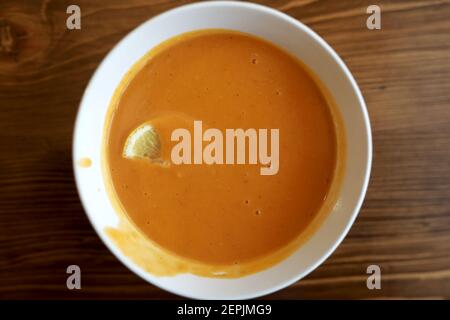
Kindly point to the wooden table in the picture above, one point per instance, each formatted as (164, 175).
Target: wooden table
(403, 71)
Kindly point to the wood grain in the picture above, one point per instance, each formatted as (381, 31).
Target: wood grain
(403, 71)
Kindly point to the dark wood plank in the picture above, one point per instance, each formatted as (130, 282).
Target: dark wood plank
(403, 71)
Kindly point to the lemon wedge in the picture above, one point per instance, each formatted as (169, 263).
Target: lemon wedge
(143, 142)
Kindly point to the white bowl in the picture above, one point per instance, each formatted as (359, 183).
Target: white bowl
(295, 38)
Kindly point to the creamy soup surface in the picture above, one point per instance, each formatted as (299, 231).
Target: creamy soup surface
(223, 214)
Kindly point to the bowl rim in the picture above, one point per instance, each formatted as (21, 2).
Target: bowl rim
(297, 24)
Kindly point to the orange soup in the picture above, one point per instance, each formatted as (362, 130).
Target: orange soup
(225, 215)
